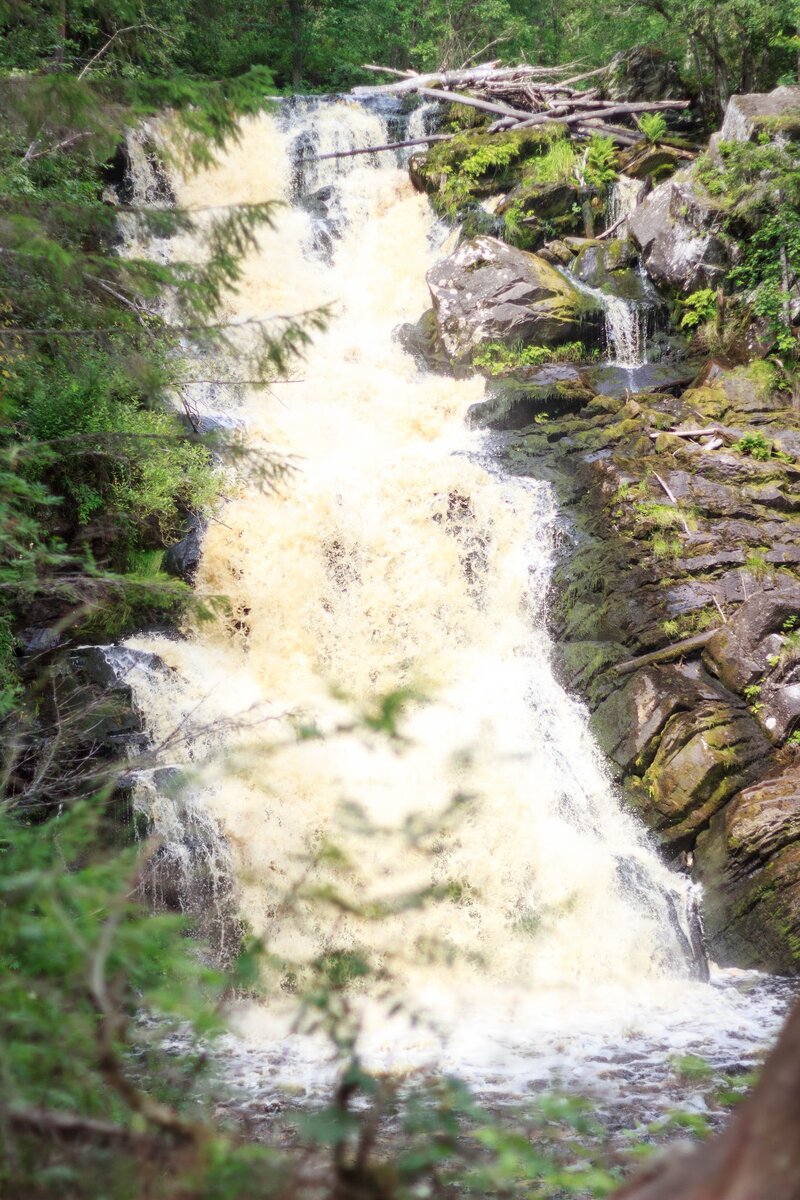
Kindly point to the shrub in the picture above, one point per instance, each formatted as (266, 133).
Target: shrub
(601, 161)
(653, 126)
(700, 307)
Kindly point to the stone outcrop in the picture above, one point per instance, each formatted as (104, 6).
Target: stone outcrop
(749, 864)
(678, 226)
(490, 292)
(746, 116)
(678, 230)
(703, 745)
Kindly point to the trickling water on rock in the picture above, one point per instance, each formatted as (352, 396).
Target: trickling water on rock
(399, 557)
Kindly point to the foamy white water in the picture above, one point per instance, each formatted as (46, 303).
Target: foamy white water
(398, 558)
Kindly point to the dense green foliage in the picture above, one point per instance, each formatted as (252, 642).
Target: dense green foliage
(758, 185)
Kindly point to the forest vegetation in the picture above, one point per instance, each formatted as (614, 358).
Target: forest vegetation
(99, 474)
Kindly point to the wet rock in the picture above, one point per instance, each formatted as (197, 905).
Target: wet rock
(515, 402)
(489, 292)
(675, 228)
(610, 268)
(611, 380)
(182, 559)
(556, 252)
(749, 864)
(422, 341)
(628, 723)
(703, 758)
(739, 653)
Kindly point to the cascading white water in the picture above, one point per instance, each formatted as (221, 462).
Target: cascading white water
(623, 195)
(396, 557)
(626, 330)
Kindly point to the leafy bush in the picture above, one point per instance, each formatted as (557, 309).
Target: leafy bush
(701, 306)
(499, 359)
(601, 167)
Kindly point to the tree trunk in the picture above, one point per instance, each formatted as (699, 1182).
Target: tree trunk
(296, 23)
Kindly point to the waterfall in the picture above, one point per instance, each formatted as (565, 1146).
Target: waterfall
(622, 197)
(397, 557)
(626, 325)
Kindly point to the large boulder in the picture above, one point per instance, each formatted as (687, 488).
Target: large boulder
(628, 723)
(749, 865)
(490, 292)
(643, 73)
(677, 230)
(740, 653)
(704, 757)
(183, 558)
(746, 116)
(736, 394)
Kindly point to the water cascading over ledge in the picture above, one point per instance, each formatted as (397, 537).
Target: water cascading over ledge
(398, 558)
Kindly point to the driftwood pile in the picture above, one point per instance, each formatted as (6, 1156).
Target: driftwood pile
(520, 98)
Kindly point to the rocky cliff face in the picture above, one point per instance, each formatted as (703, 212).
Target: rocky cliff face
(677, 600)
(705, 589)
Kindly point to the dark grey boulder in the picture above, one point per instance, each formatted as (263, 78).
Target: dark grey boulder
(182, 559)
(490, 292)
(739, 653)
(643, 73)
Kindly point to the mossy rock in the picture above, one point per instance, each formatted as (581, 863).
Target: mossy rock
(749, 864)
(734, 393)
(488, 291)
(656, 163)
(476, 164)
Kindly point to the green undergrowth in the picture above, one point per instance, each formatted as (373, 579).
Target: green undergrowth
(477, 164)
(499, 359)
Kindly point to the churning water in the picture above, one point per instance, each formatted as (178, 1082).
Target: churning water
(398, 557)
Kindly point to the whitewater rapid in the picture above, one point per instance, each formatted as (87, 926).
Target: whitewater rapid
(397, 558)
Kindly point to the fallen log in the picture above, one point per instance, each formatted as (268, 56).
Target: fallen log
(420, 141)
(666, 654)
(473, 102)
(715, 431)
(67, 1125)
(615, 110)
(671, 497)
(445, 79)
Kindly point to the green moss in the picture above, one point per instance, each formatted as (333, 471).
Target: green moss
(477, 164)
(499, 359)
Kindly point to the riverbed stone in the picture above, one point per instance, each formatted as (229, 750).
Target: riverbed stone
(490, 292)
